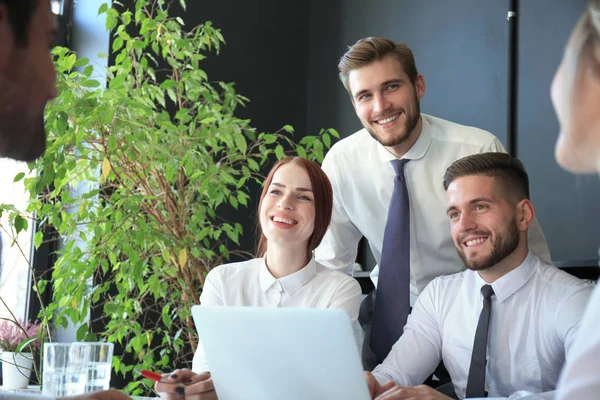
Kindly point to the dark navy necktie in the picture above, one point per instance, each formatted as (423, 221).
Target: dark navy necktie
(476, 381)
(392, 300)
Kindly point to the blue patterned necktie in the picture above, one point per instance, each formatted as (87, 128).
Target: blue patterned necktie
(392, 300)
(476, 380)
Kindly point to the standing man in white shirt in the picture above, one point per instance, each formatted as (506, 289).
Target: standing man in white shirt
(533, 312)
(385, 88)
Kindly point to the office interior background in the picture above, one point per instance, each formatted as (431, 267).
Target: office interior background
(283, 56)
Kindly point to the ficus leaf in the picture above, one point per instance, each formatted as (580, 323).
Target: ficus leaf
(105, 168)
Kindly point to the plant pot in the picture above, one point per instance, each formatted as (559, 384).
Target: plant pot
(16, 370)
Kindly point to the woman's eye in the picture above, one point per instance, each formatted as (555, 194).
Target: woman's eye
(275, 191)
(304, 198)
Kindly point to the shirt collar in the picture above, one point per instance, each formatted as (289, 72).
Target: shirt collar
(510, 283)
(417, 151)
(290, 283)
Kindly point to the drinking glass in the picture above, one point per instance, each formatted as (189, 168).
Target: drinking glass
(65, 369)
(99, 366)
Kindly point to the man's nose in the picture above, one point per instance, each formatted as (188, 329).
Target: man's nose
(466, 223)
(381, 103)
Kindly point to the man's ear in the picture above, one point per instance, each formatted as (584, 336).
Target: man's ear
(7, 37)
(525, 214)
(420, 86)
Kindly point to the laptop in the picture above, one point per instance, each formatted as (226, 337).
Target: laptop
(281, 353)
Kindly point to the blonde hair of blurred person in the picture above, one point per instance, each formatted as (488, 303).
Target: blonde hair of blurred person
(576, 97)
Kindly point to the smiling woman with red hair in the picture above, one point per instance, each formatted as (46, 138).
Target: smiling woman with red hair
(293, 214)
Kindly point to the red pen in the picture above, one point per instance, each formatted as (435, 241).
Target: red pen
(154, 376)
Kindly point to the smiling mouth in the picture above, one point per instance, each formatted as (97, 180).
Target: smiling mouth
(387, 120)
(475, 242)
(282, 220)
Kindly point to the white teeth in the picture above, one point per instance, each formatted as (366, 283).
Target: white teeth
(388, 120)
(284, 220)
(475, 241)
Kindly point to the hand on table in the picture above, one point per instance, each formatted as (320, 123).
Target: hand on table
(421, 392)
(375, 388)
(187, 384)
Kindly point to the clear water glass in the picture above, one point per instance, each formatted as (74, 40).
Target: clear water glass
(65, 369)
(99, 366)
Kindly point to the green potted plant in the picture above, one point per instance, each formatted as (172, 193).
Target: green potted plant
(135, 179)
(18, 341)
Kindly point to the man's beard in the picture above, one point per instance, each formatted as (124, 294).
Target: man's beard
(22, 136)
(409, 126)
(504, 244)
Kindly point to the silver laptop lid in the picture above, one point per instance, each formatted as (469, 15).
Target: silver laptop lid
(281, 353)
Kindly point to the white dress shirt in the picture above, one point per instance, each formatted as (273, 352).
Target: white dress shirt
(535, 316)
(580, 379)
(363, 180)
(249, 283)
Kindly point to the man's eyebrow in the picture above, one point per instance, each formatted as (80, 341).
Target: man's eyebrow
(480, 199)
(383, 84)
(390, 81)
(473, 201)
(360, 93)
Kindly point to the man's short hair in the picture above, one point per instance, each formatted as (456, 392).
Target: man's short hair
(508, 172)
(371, 49)
(19, 15)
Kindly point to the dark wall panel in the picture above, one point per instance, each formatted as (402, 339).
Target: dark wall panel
(568, 207)
(266, 55)
(459, 46)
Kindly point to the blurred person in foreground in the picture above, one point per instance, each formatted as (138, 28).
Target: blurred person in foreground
(576, 97)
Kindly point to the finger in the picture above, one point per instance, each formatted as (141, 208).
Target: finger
(177, 388)
(180, 375)
(398, 393)
(205, 386)
(212, 395)
(372, 383)
(197, 378)
(171, 396)
(385, 387)
(393, 393)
